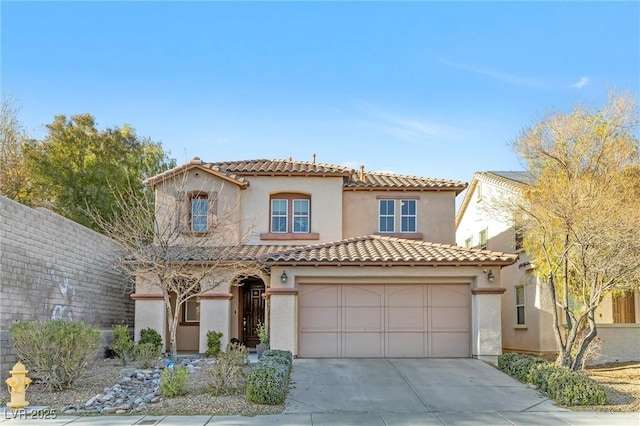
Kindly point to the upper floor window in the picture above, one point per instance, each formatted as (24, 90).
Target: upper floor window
(290, 213)
(520, 305)
(408, 216)
(387, 215)
(196, 211)
(468, 242)
(483, 239)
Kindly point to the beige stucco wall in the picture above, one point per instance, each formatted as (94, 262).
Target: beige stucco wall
(621, 342)
(435, 213)
(228, 201)
(486, 313)
(326, 206)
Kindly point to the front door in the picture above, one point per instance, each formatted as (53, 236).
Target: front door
(252, 312)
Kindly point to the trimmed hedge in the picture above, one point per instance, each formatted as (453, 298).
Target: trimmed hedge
(562, 384)
(267, 383)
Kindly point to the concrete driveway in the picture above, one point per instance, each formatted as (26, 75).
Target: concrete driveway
(404, 386)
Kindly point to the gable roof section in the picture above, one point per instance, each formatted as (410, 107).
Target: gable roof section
(197, 163)
(373, 181)
(281, 168)
(513, 180)
(380, 250)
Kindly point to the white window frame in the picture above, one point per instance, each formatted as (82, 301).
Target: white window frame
(520, 306)
(191, 301)
(481, 244)
(194, 201)
(295, 216)
(392, 215)
(286, 216)
(414, 216)
(469, 242)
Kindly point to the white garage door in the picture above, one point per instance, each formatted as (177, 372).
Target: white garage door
(354, 320)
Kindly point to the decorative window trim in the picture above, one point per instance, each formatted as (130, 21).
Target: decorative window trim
(291, 199)
(184, 216)
(521, 318)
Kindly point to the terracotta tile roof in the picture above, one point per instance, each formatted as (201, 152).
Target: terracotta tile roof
(375, 249)
(373, 180)
(248, 252)
(199, 164)
(280, 167)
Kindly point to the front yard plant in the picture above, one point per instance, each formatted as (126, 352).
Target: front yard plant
(228, 375)
(57, 352)
(149, 335)
(122, 343)
(213, 343)
(562, 384)
(173, 381)
(267, 383)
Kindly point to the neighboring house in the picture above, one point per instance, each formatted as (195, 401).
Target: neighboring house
(526, 308)
(358, 264)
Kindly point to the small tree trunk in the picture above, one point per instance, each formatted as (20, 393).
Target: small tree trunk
(593, 332)
(172, 326)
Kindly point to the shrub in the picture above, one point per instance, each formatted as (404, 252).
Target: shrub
(518, 366)
(263, 333)
(58, 351)
(227, 374)
(566, 386)
(122, 343)
(149, 335)
(213, 343)
(173, 381)
(267, 383)
(146, 354)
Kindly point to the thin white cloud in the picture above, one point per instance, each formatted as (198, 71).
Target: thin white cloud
(494, 74)
(408, 128)
(584, 80)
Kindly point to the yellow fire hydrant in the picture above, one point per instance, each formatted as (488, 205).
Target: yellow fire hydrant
(17, 385)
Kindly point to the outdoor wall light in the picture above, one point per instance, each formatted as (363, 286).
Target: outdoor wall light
(490, 276)
(283, 277)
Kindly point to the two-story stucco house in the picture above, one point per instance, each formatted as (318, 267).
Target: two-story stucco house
(527, 321)
(358, 264)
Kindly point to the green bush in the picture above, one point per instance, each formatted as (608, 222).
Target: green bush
(57, 352)
(122, 343)
(228, 374)
(173, 381)
(566, 386)
(146, 354)
(518, 366)
(267, 383)
(149, 335)
(213, 343)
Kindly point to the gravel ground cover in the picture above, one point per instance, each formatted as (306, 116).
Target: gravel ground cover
(621, 383)
(105, 373)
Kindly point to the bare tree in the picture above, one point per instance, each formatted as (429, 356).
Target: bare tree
(13, 171)
(181, 248)
(581, 213)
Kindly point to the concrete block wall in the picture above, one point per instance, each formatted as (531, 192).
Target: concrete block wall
(51, 267)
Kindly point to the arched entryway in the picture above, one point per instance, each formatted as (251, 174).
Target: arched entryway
(251, 310)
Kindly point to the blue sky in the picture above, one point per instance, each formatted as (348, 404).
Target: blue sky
(435, 89)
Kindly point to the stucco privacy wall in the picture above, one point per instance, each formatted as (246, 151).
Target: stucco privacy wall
(51, 267)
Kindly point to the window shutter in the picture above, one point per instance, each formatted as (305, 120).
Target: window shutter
(213, 210)
(617, 318)
(182, 211)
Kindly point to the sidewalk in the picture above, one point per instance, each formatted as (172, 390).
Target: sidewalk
(383, 419)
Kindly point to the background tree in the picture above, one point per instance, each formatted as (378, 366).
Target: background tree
(14, 178)
(158, 249)
(582, 213)
(79, 166)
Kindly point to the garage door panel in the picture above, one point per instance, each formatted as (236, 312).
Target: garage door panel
(406, 319)
(454, 345)
(405, 345)
(319, 295)
(363, 319)
(320, 345)
(320, 319)
(364, 345)
(449, 295)
(405, 296)
(450, 319)
(363, 295)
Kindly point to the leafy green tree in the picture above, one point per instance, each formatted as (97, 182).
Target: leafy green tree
(582, 214)
(80, 167)
(14, 177)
